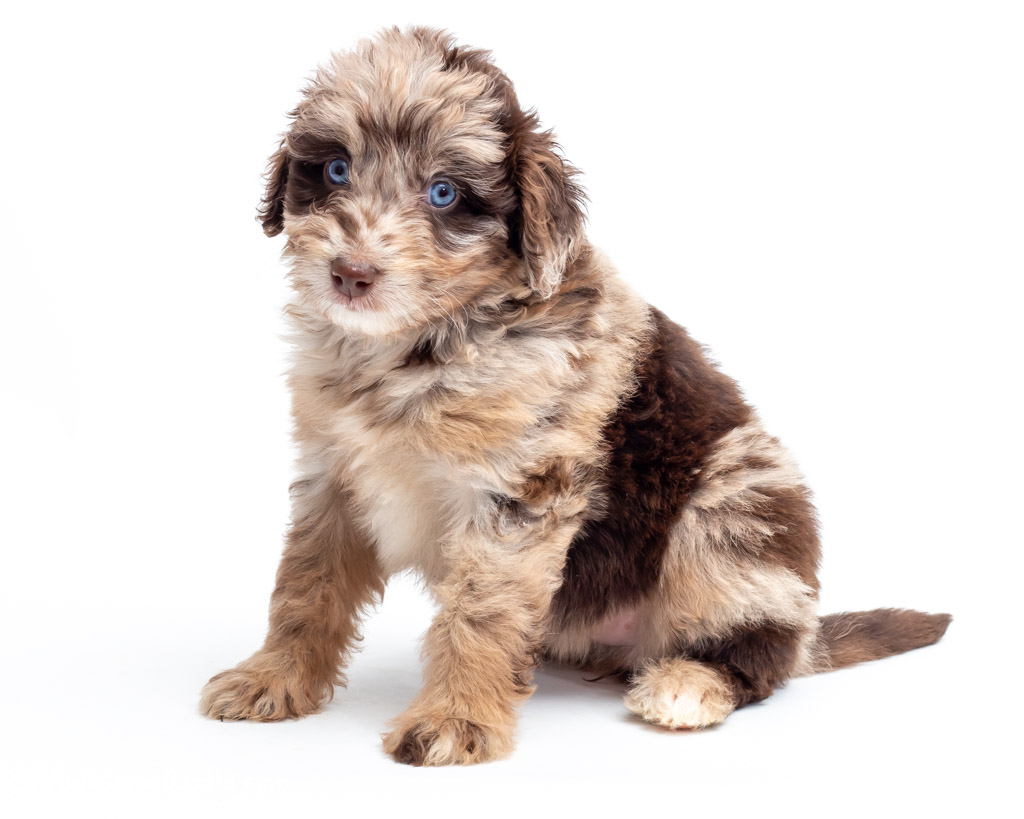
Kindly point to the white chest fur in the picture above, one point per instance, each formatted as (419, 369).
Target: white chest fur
(425, 447)
(405, 499)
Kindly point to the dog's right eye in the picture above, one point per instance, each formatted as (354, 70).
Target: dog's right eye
(336, 171)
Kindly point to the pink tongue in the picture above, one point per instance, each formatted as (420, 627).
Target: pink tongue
(617, 630)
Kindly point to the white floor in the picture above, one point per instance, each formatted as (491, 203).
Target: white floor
(827, 194)
(101, 714)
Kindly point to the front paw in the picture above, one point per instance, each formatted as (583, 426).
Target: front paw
(264, 688)
(425, 738)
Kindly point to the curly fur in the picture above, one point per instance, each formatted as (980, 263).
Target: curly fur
(495, 409)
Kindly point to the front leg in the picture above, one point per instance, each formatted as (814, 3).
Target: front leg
(327, 575)
(484, 644)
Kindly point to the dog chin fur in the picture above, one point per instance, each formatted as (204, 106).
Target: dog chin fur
(479, 397)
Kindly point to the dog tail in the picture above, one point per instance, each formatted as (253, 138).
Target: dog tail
(856, 637)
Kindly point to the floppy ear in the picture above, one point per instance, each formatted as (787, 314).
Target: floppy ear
(271, 210)
(550, 212)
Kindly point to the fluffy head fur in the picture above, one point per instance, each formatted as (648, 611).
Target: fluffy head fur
(406, 110)
(478, 397)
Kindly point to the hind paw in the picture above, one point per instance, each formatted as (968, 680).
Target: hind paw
(679, 693)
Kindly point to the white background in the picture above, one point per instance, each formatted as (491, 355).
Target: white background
(828, 195)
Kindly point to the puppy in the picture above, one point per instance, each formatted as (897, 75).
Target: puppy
(479, 397)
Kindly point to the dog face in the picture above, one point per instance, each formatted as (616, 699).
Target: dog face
(411, 185)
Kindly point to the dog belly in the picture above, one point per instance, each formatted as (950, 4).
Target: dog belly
(619, 629)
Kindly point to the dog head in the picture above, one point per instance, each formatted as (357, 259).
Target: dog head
(411, 184)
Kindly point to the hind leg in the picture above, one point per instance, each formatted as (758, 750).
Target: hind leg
(680, 693)
(716, 677)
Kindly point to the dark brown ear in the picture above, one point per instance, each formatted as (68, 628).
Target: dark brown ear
(550, 206)
(271, 210)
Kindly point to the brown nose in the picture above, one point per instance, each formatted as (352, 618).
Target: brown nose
(352, 279)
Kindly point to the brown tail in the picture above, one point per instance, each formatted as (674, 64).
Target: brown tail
(855, 637)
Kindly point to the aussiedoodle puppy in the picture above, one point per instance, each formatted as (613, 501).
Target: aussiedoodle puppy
(479, 397)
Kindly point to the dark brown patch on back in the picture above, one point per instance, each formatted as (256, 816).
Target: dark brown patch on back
(795, 544)
(658, 441)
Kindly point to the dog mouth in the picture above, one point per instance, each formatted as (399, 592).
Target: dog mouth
(358, 302)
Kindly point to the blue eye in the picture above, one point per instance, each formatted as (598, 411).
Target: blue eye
(336, 171)
(441, 194)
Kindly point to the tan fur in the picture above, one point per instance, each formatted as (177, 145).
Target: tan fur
(455, 415)
(327, 575)
(856, 637)
(678, 693)
(704, 592)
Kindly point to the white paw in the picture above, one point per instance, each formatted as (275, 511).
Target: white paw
(678, 693)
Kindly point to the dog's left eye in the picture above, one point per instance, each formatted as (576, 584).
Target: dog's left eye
(336, 171)
(441, 194)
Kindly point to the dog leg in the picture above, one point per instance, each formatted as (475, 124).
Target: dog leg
(718, 676)
(679, 693)
(480, 652)
(327, 575)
